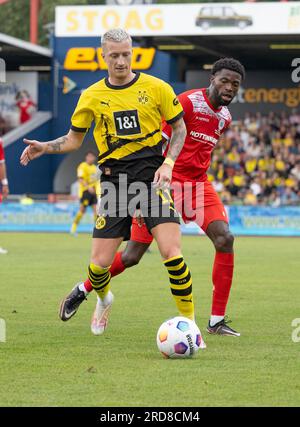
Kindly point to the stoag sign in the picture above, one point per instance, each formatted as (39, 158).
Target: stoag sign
(196, 19)
(88, 20)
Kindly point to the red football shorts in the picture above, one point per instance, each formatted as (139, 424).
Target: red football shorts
(195, 201)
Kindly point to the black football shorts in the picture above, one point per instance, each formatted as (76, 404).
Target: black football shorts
(119, 204)
(88, 199)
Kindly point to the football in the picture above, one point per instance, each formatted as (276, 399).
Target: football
(179, 337)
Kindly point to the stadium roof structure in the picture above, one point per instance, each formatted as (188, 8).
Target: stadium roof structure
(256, 52)
(20, 55)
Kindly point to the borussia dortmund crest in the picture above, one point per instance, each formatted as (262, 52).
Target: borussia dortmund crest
(143, 97)
(100, 222)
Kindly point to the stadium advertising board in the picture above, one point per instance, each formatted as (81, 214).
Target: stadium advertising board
(90, 59)
(180, 19)
(244, 220)
(262, 91)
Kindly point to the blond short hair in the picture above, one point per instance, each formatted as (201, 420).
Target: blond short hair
(115, 35)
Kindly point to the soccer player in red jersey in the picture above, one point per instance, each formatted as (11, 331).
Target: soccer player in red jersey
(4, 182)
(206, 118)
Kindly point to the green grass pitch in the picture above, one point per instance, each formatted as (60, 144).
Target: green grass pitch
(45, 362)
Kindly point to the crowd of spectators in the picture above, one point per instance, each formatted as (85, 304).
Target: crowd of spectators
(258, 161)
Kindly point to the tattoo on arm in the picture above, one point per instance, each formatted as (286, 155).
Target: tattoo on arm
(56, 145)
(177, 139)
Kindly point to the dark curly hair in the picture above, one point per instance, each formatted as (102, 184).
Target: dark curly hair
(229, 64)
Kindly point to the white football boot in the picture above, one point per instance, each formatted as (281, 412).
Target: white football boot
(101, 314)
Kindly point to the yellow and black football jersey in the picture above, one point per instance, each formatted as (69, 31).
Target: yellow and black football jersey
(128, 122)
(89, 174)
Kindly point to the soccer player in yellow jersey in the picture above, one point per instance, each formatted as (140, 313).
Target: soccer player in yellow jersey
(88, 188)
(127, 109)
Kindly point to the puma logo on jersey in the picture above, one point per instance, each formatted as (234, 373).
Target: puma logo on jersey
(105, 103)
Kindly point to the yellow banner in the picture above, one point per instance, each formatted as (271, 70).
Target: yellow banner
(90, 59)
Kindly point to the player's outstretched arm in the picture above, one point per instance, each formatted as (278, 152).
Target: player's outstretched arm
(163, 175)
(64, 144)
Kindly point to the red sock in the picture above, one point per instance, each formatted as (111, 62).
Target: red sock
(116, 268)
(222, 279)
(88, 286)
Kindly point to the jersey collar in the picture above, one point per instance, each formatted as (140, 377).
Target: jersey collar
(137, 75)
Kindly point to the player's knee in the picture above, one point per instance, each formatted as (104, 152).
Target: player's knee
(133, 253)
(224, 241)
(101, 260)
(130, 259)
(170, 252)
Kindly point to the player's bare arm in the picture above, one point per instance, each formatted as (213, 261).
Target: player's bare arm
(177, 139)
(64, 144)
(163, 175)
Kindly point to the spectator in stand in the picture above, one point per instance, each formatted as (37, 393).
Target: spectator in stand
(274, 199)
(255, 186)
(231, 187)
(250, 164)
(291, 181)
(276, 140)
(288, 139)
(226, 197)
(252, 126)
(254, 149)
(289, 197)
(294, 117)
(218, 186)
(239, 177)
(279, 163)
(244, 135)
(233, 157)
(296, 171)
(250, 198)
(264, 163)
(26, 106)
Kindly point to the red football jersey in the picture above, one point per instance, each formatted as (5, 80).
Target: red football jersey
(2, 158)
(204, 126)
